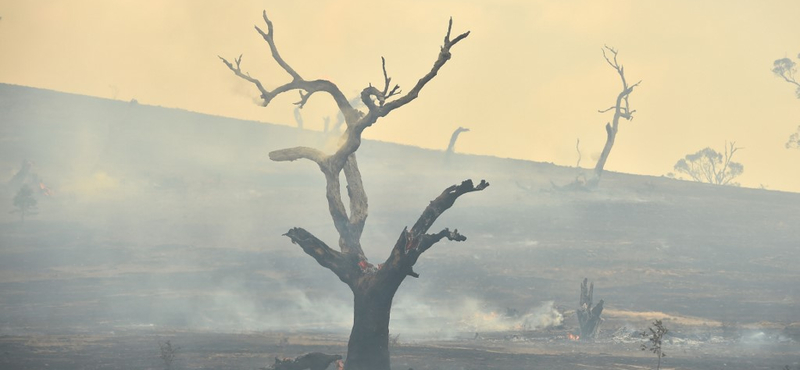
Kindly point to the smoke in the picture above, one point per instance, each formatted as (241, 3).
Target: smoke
(226, 310)
(230, 309)
(465, 317)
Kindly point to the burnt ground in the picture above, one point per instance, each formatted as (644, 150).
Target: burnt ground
(165, 225)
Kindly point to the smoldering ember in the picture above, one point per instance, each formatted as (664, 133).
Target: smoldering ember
(148, 220)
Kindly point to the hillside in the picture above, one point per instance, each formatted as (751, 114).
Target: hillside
(173, 219)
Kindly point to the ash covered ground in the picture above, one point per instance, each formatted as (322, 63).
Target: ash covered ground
(166, 225)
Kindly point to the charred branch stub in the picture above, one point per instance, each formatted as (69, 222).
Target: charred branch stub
(621, 109)
(588, 316)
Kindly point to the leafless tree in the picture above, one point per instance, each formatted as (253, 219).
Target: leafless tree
(373, 286)
(621, 110)
(451, 147)
(708, 165)
(786, 69)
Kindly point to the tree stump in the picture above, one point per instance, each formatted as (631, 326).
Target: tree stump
(589, 318)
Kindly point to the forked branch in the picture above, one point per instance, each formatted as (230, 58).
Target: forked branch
(412, 243)
(324, 255)
(622, 107)
(444, 56)
(297, 83)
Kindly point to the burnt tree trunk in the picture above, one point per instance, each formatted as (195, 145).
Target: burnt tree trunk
(611, 135)
(373, 286)
(368, 347)
(588, 316)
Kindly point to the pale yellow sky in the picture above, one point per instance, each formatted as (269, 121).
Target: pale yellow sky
(528, 81)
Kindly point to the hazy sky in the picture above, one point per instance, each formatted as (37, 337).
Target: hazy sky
(528, 81)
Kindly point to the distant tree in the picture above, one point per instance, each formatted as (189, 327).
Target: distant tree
(373, 287)
(708, 165)
(24, 202)
(786, 68)
(794, 140)
(298, 118)
(452, 146)
(621, 110)
(655, 335)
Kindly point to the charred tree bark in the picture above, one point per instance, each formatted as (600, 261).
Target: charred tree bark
(621, 110)
(373, 286)
(588, 317)
(309, 361)
(611, 135)
(368, 347)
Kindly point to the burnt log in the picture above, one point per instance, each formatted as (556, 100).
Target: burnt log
(309, 361)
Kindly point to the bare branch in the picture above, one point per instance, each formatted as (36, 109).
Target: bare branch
(268, 37)
(300, 152)
(358, 198)
(237, 70)
(443, 202)
(338, 213)
(350, 114)
(323, 254)
(428, 240)
(606, 110)
(353, 133)
(412, 243)
(444, 56)
(387, 81)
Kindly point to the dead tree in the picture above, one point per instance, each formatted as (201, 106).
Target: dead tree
(451, 147)
(621, 110)
(373, 286)
(588, 317)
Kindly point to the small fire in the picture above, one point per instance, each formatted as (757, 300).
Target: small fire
(571, 336)
(45, 190)
(367, 267)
